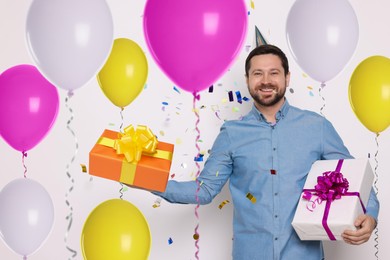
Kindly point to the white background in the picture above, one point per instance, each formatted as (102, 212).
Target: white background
(93, 112)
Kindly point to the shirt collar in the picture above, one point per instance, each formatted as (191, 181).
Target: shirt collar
(280, 114)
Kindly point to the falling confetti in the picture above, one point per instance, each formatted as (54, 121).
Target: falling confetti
(176, 89)
(230, 93)
(251, 197)
(83, 167)
(170, 241)
(238, 95)
(223, 203)
(157, 203)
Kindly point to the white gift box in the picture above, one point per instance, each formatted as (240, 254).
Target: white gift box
(308, 218)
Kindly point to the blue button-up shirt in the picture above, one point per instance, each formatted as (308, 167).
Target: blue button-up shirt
(267, 165)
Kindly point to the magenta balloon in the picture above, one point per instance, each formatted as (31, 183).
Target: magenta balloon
(195, 42)
(28, 106)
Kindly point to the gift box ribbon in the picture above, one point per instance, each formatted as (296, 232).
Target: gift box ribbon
(133, 143)
(330, 186)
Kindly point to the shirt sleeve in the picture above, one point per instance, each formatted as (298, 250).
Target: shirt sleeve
(334, 148)
(211, 180)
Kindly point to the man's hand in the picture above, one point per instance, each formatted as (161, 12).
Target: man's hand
(365, 224)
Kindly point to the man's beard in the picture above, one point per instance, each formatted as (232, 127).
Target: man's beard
(267, 102)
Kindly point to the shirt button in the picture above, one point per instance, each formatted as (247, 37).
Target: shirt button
(276, 238)
(274, 149)
(276, 216)
(276, 194)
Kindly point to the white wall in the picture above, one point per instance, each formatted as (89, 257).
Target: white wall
(93, 112)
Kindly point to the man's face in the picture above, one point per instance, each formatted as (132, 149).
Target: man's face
(266, 80)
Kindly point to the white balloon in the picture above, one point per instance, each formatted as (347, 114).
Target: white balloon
(27, 215)
(69, 40)
(322, 36)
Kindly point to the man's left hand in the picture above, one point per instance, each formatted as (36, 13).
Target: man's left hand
(365, 224)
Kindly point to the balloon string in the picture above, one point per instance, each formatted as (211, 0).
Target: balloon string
(376, 192)
(196, 235)
(121, 190)
(69, 217)
(323, 99)
(24, 155)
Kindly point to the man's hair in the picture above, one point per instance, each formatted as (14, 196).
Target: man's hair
(267, 49)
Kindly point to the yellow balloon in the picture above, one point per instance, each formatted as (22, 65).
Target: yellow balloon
(115, 229)
(124, 74)
(369, 93)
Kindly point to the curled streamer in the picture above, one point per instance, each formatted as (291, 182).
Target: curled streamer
(121, 190)
(69, 217)
(24, 155)
(376, 192)
(323, 99)
(196, 235)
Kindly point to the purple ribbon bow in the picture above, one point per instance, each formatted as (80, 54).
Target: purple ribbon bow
(330, 186)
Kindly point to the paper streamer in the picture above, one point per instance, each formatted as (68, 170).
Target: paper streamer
(24, 155)
(196, 235)
(121, 190)
(376, 192)
(323, 99)
(69, 217)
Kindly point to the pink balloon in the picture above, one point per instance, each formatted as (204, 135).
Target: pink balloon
(28, 106)
(195, 42)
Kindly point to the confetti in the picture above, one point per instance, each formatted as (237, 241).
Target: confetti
(83, 167)
(238, 95)
(198, 158)
(231, 96)
(223, 203)
(178, 141)
(246, 99)
(170, 241)
(251, 197)
(252, 4)
(214, 108)
(217, 173)
(165, 103)
(235, 109)
(162, 133)
(157, 203)
(183, 165)
(310, 87)
(172, 175)
(196, 236)
(211, 89)
(175, 89)
(217, 115)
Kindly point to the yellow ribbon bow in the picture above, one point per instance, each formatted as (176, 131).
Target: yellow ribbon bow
(132, 143)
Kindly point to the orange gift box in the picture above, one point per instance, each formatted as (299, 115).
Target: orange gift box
(150, 171)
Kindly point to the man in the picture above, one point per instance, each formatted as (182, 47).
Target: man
(266, 156)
